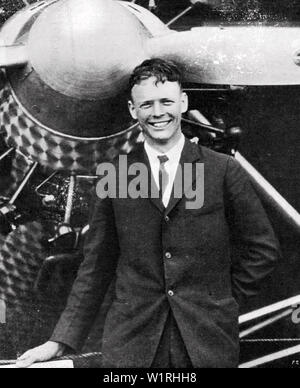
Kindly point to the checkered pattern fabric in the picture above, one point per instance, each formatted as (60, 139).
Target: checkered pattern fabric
(54, 150)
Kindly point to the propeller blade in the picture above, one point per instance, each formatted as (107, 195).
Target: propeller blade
(15, 55)
(239, 55)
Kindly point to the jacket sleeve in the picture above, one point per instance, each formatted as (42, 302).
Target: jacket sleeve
(256, 249)
(93, 279)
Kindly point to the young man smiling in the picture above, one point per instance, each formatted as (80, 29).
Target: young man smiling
(158, 104)
(177, 288)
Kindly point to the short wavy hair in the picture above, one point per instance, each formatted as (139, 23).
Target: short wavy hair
(160, 69)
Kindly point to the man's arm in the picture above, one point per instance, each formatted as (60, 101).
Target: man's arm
(257, 247)
(101, 251)
(94, 276)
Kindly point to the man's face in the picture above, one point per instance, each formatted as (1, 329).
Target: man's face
(158, 108)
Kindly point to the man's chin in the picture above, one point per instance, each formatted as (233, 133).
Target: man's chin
(160, 140)
(157, 138)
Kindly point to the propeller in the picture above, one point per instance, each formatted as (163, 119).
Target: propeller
(68, 71)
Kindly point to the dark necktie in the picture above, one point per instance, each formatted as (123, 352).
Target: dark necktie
(163, 175)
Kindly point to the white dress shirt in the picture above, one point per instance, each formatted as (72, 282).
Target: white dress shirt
(171, 165)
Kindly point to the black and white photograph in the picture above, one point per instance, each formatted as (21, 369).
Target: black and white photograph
(149, 186)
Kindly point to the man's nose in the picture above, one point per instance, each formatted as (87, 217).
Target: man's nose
(158, 110)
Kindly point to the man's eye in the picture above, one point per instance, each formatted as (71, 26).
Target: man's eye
(145, 106)
(168, 103)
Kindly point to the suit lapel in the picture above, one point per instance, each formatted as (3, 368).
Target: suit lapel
(140, 156)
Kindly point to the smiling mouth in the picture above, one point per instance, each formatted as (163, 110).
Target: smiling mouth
(160, 124)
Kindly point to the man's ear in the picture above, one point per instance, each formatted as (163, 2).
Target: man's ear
(184, 102)
(132, 110)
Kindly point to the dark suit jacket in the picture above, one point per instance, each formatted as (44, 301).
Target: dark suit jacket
(130, 238)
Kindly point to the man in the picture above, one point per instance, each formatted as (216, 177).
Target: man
(177, 289)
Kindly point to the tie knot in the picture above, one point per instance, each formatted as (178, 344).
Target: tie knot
(163, 159)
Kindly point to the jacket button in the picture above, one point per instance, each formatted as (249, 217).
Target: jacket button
(167, 218)
(168, 255)
(171, 293)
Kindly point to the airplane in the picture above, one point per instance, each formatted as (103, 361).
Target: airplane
(65, 67)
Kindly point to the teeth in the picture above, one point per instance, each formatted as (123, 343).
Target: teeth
(160, 125)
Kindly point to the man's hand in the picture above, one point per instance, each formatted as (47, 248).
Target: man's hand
(45, 352)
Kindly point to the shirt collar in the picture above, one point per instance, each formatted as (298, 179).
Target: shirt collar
(173, 154)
